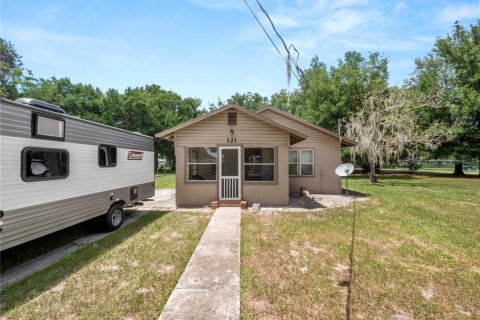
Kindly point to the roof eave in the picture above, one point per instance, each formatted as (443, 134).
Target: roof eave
(169, 132)
(345, 142)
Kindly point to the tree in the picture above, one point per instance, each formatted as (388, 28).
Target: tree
(12, 72)
(81, 100)
(453, 67)
(330, 94)
(289, 102)
(149, 110)
(249, 100)
(387, 126)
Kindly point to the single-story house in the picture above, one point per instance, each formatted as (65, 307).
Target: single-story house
(233, 154)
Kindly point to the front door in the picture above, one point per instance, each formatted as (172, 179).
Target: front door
(229, 183)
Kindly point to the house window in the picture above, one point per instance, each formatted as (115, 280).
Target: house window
(301, 162)
(202, 163)
(107, 156)
(48, 127)
(259, 164)
(232, 118)
(293, 163)
(40, 164)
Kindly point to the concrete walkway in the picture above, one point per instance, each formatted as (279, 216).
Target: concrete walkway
(209, 288)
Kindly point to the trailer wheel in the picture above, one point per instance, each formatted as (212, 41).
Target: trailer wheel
(115, 217)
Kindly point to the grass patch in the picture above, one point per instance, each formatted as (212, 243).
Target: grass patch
(416, 254)
(128, 274)
(434, 170)
(165, 181)
(447, 170)
(17, 255)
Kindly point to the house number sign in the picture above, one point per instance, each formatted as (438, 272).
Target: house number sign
(232, 138)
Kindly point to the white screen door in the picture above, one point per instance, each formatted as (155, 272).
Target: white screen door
(229, 183)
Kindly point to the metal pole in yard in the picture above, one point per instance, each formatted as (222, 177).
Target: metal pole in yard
(346, 186)
(352, 257)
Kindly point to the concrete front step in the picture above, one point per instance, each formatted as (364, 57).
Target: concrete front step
(242, 204)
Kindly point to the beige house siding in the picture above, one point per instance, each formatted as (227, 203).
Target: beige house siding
(268, 193)
(249, 132)
(215, 130)
(327, 157)
(190, 194)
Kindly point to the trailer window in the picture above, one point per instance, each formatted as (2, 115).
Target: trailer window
(44, 164)
(107, 156)
(46, 126)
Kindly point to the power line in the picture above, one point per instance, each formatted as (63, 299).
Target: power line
(263, 28)
(295, 62)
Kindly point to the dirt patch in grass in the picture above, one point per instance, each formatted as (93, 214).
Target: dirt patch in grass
(128, 274)
(413, 255)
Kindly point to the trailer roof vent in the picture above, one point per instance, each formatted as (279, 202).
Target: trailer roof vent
(40, 104)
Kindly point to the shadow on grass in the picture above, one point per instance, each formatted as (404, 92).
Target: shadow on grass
(304, 202)
(34, 285)
(402, 176)
(395, 173)
(352, 193)
(385, 181)
(27, 251)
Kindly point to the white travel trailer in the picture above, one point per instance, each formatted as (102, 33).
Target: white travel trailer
(58, 170)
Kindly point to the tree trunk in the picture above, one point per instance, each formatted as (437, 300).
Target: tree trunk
(458, 169)
(373, 177)
(479, 169)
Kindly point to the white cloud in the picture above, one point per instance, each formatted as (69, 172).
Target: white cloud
(400, 6)
(425, 39)
(37, 35)
(251, 33)
(345, 20)
(348, 3)
(218, 4)
(67, 50)
(463, 11)
(283, 20)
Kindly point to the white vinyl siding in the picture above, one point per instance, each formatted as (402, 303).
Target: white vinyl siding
(301, 162)
(84, 175)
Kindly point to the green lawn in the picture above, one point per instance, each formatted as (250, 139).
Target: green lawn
(446, 170)
(165, 181)
(127, 275)
(435, 170)
(416, 254)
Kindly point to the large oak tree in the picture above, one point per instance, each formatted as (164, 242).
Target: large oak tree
(453, 67)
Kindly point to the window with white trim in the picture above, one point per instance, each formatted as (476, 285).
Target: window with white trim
(202, 163)
(301, 162)
(259, 164)
(293, 162)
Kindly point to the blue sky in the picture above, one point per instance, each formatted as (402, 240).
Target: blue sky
(210, 49)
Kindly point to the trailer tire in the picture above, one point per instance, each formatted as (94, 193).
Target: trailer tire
(115, 217)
